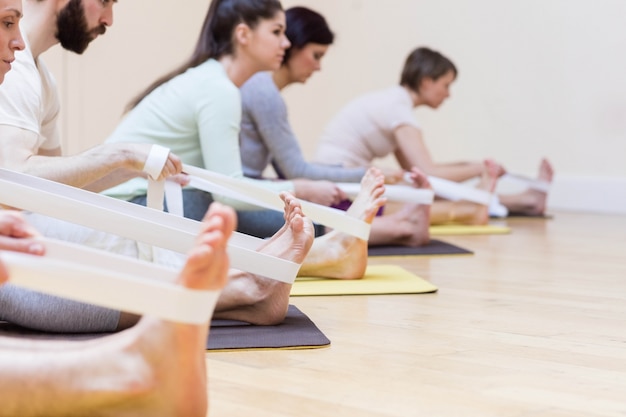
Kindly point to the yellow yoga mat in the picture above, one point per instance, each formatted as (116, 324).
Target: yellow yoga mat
(462, 229)
(378, 279)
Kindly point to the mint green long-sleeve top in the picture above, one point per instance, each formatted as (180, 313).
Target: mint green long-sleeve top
(197, 115)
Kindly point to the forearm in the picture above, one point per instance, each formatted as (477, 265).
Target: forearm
(87, 168)
(119, 176)
(321, 172)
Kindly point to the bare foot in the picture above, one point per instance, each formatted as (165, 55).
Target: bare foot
(468, 212)
(174, 371)
(530, 202)
(489, 176)
(488, 181)
(340, 255)
(260, 300)
(409, 224)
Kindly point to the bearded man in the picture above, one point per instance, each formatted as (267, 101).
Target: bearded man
(30, 105)
(30, 143)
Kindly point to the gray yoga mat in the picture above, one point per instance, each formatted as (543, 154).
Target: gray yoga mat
(434, 247)
(297, 331)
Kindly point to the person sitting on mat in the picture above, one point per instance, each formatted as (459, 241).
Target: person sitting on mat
(195, 111)
(267, 137)
(30, 104)
(382, 122)
(247, 297)
(156, 368)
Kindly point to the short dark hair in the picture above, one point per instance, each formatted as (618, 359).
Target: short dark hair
(423, 63)
(305, 26)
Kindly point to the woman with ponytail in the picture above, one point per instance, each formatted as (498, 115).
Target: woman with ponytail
(195, 110)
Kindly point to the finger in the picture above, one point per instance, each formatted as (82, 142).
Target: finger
(177, 164)
(22, 245)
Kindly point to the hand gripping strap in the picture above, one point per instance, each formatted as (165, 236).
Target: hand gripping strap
(156, 161)
(111, 281)
(132, 221)
(154, 165)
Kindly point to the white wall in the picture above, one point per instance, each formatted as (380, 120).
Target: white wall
(537, 78)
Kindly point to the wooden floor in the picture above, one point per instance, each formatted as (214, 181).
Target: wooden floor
(532, 325)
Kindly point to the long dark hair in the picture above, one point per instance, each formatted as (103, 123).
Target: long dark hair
(305, 26)
(424, 63)
(216, 36)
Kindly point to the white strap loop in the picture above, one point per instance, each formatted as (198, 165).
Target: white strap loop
(156, 161)
(157, 158)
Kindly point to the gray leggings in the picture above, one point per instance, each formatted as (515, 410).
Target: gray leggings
(43, 312)
(53, 314)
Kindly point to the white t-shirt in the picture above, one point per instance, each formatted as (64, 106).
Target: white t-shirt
(364, 129)
(29, 99)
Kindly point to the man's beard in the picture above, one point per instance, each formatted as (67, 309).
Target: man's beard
(72, 30)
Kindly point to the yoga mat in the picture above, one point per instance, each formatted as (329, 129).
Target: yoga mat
(378, 279)
(461, 229)
(513, 215)
(434, 247)
(297, 331)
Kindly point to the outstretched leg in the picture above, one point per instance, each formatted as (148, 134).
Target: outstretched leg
(530, 202)
(337, 254)
(156, 368)
(408, 224)
(467, 212)
(260, 300)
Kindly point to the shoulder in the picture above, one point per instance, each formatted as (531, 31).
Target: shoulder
(261, 82)
(24, 93)
(208, 84)
(260, 88)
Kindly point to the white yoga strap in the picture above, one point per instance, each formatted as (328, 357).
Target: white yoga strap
(248, 192)
(400, 193)
(153, 167)
(532, 183)
(454, 191)
(251, 193)
(132, 221)
(112, 281)
(156, 161)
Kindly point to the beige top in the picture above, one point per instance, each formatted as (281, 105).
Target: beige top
(364, 128)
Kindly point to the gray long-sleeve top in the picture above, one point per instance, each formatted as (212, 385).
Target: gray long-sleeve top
(266, 137)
